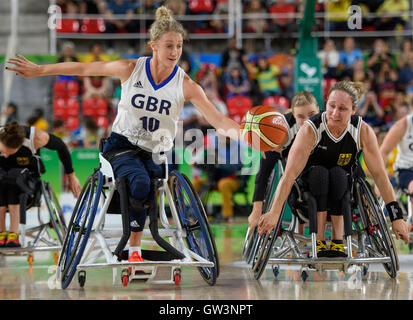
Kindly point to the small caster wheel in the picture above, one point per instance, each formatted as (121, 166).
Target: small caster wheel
(30, 260)
(125, 277)
(304, 275)
(177, 277)
(276, 271)
(81, 278)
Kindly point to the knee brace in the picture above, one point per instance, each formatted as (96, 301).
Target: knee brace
(318, 182)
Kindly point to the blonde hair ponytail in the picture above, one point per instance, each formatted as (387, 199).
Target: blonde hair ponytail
(164, 23)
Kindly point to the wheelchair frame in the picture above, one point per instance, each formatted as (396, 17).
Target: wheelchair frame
(177, 254)
(373, 241)
(38, 238)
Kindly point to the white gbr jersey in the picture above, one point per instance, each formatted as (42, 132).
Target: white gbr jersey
(404, 158)
(148, 114)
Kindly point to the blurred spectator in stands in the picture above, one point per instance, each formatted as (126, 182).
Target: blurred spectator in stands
(348, 56)
(59, 130)
(403, 54)
(87, 135)
(359, 74)
(201, 7)
(37, 120)
(178, 7)
(10, 113)
(329, 59)
(185, 62)
(113, 25)
(91, 7)
(405, 76)
(368, 7)
(371, 111)
(223, 173)
(234, 57)
(287, 22)
(267, 78)
(287, 78)
(386, 74)
(256, 24)
(147, 7)
(96, 54)
(337, 15)
(398, 8)
(189, 117)
(220, 25)
(209, 82)
(68, 55)
(96, 87)
(378, 55)
(236, 83)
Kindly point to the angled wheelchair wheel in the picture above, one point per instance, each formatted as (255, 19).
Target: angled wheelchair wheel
(57, 220)
(79, 228)
(194, 221)
(265, 245)
(251, 244)
(380, 241)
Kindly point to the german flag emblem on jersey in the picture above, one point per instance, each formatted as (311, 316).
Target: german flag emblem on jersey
(344, 159)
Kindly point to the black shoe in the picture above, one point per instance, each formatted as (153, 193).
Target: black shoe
(337, 249)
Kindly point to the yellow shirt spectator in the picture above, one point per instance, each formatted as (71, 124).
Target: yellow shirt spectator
(338, 10)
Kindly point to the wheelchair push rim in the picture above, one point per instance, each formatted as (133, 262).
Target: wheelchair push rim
(79, 228)
(376, 227)
(57, 219)
(265, 247)
(193, 219)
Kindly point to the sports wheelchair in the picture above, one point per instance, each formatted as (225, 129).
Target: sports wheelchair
(49, 234)
(89, 245)
(368, 239)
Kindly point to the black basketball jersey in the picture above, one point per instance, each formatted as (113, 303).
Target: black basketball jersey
(329, 151)
(293, 128)
(24, 157)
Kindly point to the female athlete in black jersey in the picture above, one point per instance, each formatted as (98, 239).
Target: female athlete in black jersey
(303, 106)
(18, 146)
(331, 140)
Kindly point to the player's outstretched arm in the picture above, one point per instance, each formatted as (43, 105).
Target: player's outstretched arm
(28, 69)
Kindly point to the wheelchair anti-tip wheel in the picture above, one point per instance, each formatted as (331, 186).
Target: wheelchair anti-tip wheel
(57, 219)
(374, 222)
(195, 222)
(79, 228)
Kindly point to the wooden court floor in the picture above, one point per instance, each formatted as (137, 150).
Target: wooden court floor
(18, 281)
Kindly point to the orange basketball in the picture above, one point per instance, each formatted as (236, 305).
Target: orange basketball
(264, 128)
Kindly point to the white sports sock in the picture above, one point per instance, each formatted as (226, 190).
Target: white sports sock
(132, 249)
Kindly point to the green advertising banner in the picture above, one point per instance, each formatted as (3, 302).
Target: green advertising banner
(84, 162)
(308, 76)
(53, 167)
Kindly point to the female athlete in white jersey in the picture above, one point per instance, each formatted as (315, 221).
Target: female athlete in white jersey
(328, 131)
(153, 93)
(401, 134)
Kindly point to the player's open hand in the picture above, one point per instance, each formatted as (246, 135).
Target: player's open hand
(401, 230)
(24, 67)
